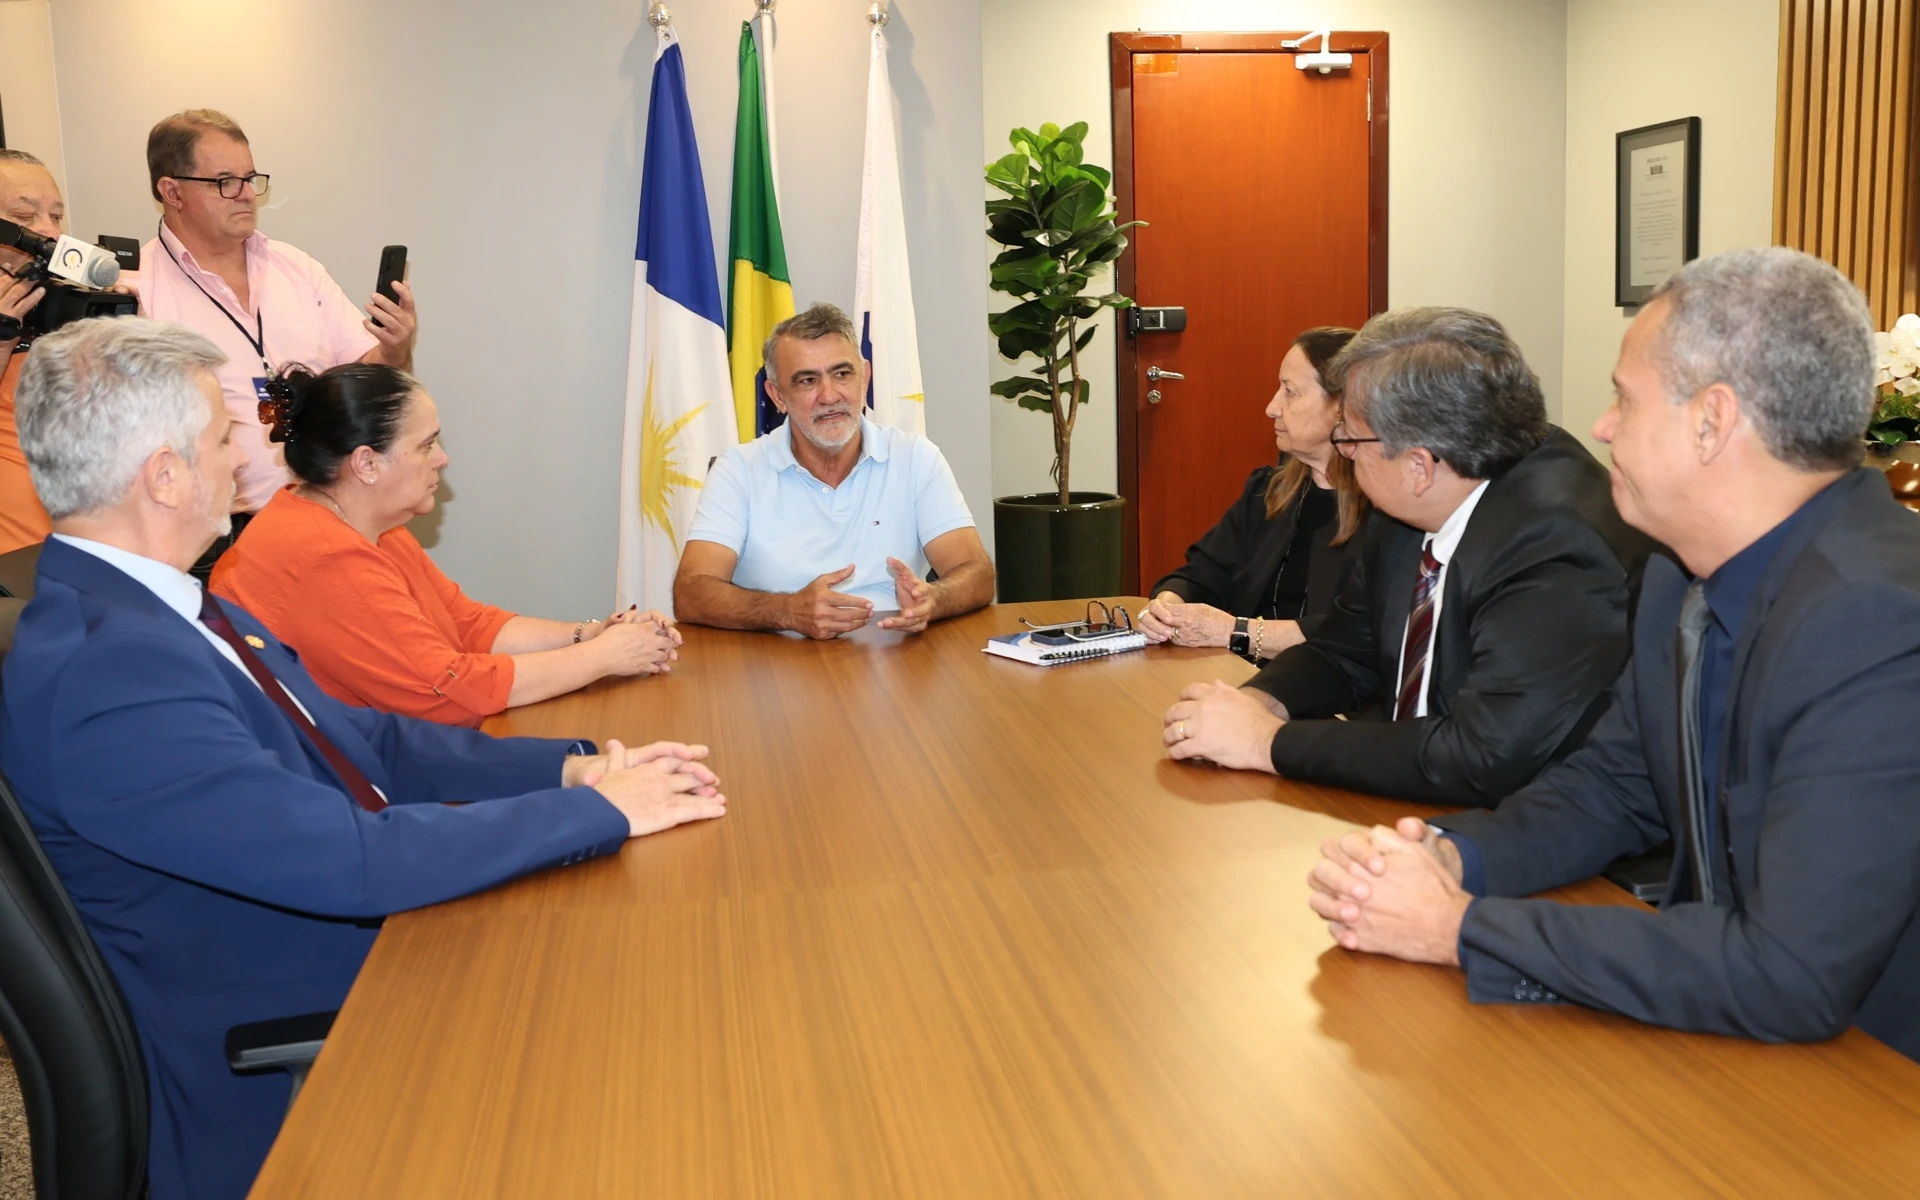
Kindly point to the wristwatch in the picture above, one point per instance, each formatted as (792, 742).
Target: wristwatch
(1237, 641)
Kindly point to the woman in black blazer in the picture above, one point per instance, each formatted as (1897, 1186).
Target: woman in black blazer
(1259, 581)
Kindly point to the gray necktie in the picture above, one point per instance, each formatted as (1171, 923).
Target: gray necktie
(1694, 615)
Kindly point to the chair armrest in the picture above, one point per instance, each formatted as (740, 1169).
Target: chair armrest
(287, 1044)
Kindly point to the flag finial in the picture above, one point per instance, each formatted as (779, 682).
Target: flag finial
(765, 6)
(877, 15)
(658, 16)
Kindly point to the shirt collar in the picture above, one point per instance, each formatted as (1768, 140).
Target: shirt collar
(256, 243)
(780, 452)
(175, 589)
(1729, 591)
(1446, 540)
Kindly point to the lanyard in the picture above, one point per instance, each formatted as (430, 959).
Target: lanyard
(258, 338)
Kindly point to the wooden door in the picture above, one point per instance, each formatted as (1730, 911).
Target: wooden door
(1264, 189)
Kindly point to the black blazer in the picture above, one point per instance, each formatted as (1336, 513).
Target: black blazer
(1820, 791)
(1233, 565)
(1533, 628)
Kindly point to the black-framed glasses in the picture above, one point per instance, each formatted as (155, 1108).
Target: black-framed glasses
(1342, 442)
(230, 185)
(1101, 622)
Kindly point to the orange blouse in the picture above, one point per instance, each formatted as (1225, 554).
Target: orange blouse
(376, 625)
(22, 520)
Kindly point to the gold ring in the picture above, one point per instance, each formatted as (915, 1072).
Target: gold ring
(1183, 731)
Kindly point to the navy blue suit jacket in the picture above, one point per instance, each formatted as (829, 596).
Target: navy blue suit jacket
(1818, 788)
(218, 860)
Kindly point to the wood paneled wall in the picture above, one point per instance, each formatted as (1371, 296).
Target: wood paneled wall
(1847, 159)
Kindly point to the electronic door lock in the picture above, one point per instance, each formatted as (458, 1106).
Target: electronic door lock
(1155, 320)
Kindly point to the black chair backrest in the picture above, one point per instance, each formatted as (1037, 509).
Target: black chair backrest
(82, 1073)
(18, 569)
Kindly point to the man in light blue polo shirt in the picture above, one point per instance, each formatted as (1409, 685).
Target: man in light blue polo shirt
(828, 501)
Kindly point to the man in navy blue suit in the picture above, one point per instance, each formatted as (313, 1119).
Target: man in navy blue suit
(1764, 722)
(230, 833)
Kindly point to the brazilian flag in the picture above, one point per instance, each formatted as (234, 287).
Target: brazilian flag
(759, 291)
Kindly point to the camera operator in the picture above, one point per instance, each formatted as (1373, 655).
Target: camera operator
(29, 198)
(262, 302)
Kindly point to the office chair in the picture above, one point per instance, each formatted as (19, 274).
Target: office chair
(18, 569)
(82, 1074)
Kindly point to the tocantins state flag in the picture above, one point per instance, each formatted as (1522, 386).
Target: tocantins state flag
(679, 397)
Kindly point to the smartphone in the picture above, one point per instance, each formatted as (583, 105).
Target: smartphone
(393, 268)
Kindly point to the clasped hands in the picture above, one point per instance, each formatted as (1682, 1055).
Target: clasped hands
(655, 786)
(820, 612)
(637, 643)
(1393, 891)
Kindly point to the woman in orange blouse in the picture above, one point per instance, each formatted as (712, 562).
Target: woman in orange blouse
(331, 568)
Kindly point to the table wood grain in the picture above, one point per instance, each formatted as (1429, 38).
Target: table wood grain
(966, 932)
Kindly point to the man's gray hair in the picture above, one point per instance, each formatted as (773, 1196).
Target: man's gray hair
(1447, 379)
(97, 398)
(817, 321)
(19, 156)
(1790, 335)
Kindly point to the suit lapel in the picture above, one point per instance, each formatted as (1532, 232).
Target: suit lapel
(1400, 563)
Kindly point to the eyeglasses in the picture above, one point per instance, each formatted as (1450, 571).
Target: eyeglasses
(230, 185)
(1101, 622)
(1344, 443)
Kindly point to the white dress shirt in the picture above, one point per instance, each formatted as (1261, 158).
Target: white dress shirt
(1442, 544)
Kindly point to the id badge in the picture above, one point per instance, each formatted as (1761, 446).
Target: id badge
(260, 389)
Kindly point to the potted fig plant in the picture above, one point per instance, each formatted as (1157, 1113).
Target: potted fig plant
(1056, 224)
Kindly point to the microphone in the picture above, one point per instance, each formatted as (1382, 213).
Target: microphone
(65, 257)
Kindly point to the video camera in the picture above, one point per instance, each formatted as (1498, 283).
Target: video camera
(75, 274)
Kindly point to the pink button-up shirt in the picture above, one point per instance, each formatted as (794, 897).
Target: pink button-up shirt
(303, 314)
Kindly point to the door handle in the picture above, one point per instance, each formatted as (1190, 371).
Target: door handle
(1155, 375)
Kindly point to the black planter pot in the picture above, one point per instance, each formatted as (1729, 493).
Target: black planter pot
(1045, 550)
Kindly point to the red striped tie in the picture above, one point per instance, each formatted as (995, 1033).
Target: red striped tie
(1413, 656)
(363, 791)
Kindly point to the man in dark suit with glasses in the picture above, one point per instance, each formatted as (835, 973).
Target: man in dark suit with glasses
(1484, 614)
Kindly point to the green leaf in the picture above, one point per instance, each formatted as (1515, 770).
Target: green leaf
(1039, 404)
(1021, 385)
(1080, 343)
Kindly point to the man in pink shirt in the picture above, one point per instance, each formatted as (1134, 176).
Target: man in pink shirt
(262, 302)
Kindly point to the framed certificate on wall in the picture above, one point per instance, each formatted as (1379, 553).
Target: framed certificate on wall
(1657, 206)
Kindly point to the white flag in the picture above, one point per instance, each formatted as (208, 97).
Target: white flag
(882, 285)
(679, 393)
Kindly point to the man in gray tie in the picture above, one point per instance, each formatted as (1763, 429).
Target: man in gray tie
(1764, 722)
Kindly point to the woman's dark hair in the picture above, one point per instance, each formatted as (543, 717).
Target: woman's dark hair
(320, 420)
(1320, 344)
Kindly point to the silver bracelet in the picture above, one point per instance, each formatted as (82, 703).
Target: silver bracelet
(580, 630)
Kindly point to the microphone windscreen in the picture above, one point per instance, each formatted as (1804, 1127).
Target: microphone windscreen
(103, 272)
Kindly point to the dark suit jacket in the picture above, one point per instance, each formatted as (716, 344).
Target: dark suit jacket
(1233, 565)
(218, 860)
(1533, 628)
(1820, 794)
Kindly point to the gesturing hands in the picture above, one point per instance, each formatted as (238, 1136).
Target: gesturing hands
(1224, 724)
(1392, 891)
(632, 646)
(655, 787)
(821, 613)
(915, 596)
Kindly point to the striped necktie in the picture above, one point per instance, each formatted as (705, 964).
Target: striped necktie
(358, 786)
(1413, 655)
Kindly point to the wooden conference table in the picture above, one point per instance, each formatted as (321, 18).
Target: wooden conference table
(967, 932)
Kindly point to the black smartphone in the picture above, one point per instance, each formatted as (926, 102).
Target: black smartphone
(393, 268)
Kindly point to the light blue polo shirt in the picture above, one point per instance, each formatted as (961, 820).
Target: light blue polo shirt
(789, 528)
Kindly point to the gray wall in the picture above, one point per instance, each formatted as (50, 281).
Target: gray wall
(501, 141)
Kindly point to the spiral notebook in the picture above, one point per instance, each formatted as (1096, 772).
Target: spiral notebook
(1022, 648)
